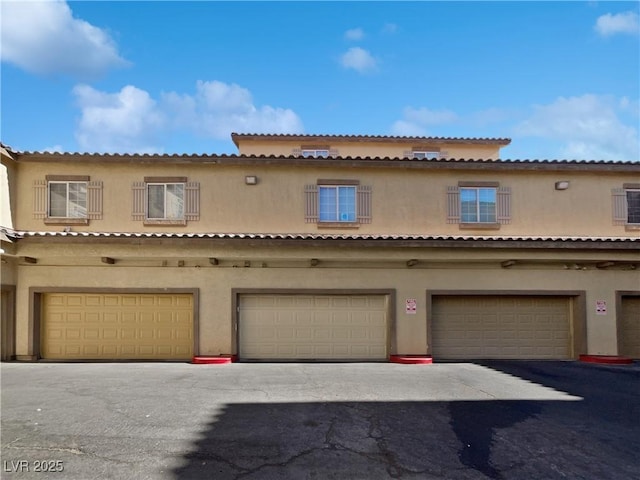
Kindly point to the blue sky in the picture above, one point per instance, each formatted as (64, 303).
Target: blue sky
(562, 79)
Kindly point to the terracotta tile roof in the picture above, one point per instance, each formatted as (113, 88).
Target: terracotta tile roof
(367, 138)
(584, 240)
(235, 159)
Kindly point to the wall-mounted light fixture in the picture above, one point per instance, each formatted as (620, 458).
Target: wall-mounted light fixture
(562, 185)
(314, 262)
(412, 262)
(508, 263)
(108, 260)
(214, 261)
(251, 180)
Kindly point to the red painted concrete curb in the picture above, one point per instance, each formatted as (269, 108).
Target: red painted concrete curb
(608, 359)
(222, 359)
(411, 359)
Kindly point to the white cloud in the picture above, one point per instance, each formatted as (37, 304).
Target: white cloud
(44, 38)
(127, 121)
(218, 108)
(407, 129)
(428, 117)
(415, 121)
(489, 116)
(359, 59)
(609, 24)
(132, 121)
(587, 127)
(389, 28)
(354, 34)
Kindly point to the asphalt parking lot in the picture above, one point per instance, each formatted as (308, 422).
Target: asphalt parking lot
(502, 420)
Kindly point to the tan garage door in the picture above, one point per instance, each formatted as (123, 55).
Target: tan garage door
(630, 327)
(91, 326)
(509, 327)
(313, 327)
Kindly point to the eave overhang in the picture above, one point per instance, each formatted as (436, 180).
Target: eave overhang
(608, 166)
(238, 137)
(343, 240)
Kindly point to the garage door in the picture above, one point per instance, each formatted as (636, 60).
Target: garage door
(509, 327)
(313, 327)
(630, 327)
(89, 326)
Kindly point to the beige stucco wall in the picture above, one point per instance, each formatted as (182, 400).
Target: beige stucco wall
(8, 270)
(140, 266)
(369, 149)
(5, 202)
(405, 201)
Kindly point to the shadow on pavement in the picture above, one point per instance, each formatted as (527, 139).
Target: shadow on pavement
(499, 439)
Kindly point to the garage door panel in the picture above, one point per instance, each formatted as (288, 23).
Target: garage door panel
(302, 334)
(322, 334)
(111, 326)
(510, 327)
(93, 300)
(111, 300)
(326, 327)
(70, 350)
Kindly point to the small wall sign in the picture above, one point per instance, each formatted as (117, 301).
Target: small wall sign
(601, 307)
(410, 306)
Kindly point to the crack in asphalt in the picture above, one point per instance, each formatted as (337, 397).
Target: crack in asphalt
(279, 464)
(75, 451)
(384, 455)
(71, 450)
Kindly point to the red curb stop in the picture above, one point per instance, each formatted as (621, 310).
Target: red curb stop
(411, 359)
(219, 360)
(607, 359)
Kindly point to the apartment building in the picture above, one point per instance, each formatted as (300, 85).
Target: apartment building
(319, 248)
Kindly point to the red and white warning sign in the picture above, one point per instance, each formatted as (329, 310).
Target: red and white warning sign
(601, 307)
(411, 306)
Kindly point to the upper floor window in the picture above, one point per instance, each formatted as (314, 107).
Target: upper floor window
(315, 153)
(67, 199)
(426, 154)
(338, 203)
(633, 206)
(479, 205)
(315, 150)
(166, 201)
(626, 205)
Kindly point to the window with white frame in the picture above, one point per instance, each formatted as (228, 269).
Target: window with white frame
(315, 153)
(337, 203)
(426, 154)
(626, 205)
(67, 199)
(481, 204)
(633, 206)
(165, 201)
(477, 205)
